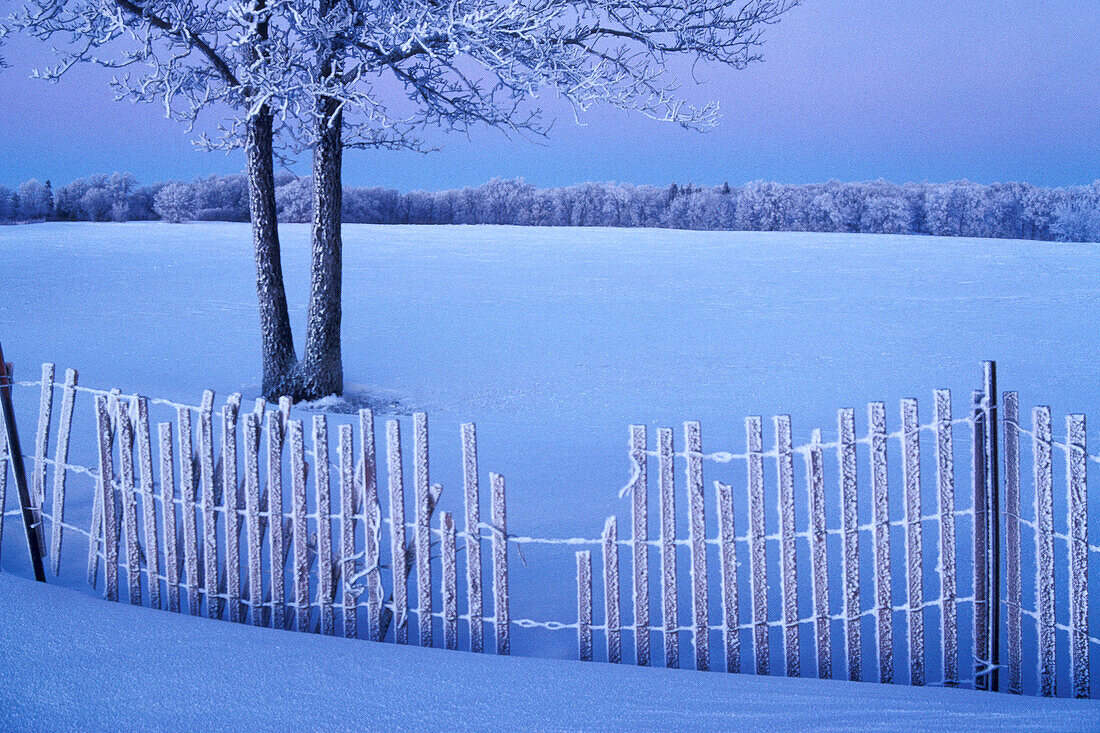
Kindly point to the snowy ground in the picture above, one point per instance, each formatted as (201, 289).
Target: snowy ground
(84, 664)
(554, 340)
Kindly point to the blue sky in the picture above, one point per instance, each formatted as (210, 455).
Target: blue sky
(861, 89)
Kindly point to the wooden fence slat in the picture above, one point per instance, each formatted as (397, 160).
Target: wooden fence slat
(209, 505)
(501, 613)
(41, 447)
(758, 544)
(849, 497)
(372, 536)
(61, 458)
(449, 569)
(731, 635)
(788, 549)
(584, 606)
(611, 591)
(168, 516)
(1044, 540)
(397, 533)
(129, 505)
(323, 499)
(945, 483)
(473, 535)
(640, 544)
(697, 534)
(669, 600)
(982, 656)
(346, 456)
(880, 490)
(253, 524)
(298, 510)
(148, 504)
(232, 505)
(423, 530)
(95, 532)
(107, 500)
(188, 486)
(1012, 539)
(275, 536)
(819, 557)
(910, 468)
(1077, 466)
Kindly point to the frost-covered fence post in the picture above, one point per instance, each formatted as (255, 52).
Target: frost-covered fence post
(849, 497)
(758, 544)
(95, 532)
(232, 505)
(1012, 539)
(982, 658)
(1044, 541)
(148, 504)
(611, 590)
(107, 500)
(501, 604)
(640, 543)
(584, 606)
(788, 549)
(253, 525)
(61, 458)
(697, 533)
(731, 635)
(880, 490)
(322, 494)
(41, 446)
(1078, 540)
(129, 504)
(372, 537)
(187, 494)
(345, 451)
(423, 530)
(397, 533)
(910, 468)
(450, 581)
(945, 483)
(669, 601)
(275, 536)
(473, 534)
(209, 506)
(300, 528)
(168, 515)
(819, 557)
(993, 491)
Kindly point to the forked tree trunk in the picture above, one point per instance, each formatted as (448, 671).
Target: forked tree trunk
(279, 360)
(321, 372)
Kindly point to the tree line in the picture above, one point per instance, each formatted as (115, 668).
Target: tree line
(958, 208)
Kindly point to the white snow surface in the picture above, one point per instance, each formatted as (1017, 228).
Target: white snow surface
(70, 661)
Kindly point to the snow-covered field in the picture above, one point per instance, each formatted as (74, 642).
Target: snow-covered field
(554, 340)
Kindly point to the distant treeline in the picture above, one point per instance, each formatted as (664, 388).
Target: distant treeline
(959, 208)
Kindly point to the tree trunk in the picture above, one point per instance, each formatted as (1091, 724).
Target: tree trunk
(278, 346)
(321, 372)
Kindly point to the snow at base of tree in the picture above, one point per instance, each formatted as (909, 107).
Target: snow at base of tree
(71, 661)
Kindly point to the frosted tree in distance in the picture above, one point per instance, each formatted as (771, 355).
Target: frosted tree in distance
(324, 75)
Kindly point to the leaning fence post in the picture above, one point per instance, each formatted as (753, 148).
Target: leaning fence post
(61, 458)
(41, 446)
(372, 534)
(788, 550)
(910, 468)
(880, 490)
(758, 544)
(1044, 540)
(697, 533)
(129, 504)
(819, 557)
(611, 590)
(945, 483)
(640, 543)
(1012, 538)
(1078, 540)
(669, 599)
(731, 633)
(473, 534)
(584, 606)
(148, 504)
(849, 497)
(107, 500)
(15, 453)
(187, 494)
(501, 612)
(397, 533)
